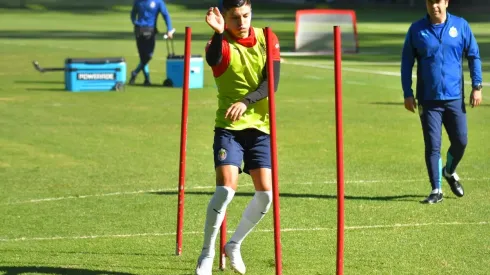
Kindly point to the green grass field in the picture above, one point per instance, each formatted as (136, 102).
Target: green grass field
(88, 181)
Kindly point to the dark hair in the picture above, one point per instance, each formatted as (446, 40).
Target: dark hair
(229, 4)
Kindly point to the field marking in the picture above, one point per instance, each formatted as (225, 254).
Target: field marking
(111, 194)
(355, 70)
(355, 227)
(61, 47)
(136, 192)
(313, 65)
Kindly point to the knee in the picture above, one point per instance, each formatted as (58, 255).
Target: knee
(145, 58)
(263, 200)
(432, 144)
(462, 141)
(223, 195)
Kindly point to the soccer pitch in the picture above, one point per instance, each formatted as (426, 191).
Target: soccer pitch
(88, 181)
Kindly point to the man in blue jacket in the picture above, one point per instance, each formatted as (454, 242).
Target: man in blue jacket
(439, 42)
(144, 15)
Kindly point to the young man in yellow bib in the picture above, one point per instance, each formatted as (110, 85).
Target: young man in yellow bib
(237, 56)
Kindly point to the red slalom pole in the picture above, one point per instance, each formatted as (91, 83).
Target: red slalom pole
(222, 242)
(183, 140)
(273, 136)
(340, 149)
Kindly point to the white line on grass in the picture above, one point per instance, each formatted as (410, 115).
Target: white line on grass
(209, 187)
(355, 227)
(62, 47)
(111, 194)
(108, 194)
(305, 64)
(376, 63)
(355, 70)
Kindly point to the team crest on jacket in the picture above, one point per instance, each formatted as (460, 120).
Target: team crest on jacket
(453, 32)
(222, 154)
(152, 4)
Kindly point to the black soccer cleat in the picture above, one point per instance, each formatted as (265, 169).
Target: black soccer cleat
(453, 181)
(147, 83)
(432, 198)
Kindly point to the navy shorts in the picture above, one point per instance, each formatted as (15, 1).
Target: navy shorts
(249, 146)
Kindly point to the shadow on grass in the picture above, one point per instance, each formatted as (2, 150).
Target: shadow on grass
(46, 90)
(124, 6)
(154, 84)
(67, 35)
(407, 197)
(366, 12)
(388, 103)
(18, 270)
(374, 46)
(55, 252)
(401, 104)
(137, 85)
(39, 82)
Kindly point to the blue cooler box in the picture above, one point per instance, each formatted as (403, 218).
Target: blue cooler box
(175, 71)
(95, 74)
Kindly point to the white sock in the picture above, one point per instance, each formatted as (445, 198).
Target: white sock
(254, 212)
(214, 216)
(446, 174)
(436, 191)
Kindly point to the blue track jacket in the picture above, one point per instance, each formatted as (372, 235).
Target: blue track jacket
(439, 59)
(145, 13)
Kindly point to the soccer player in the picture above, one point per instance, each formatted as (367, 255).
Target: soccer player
(144, 15)
(438, 42)
(237, 56)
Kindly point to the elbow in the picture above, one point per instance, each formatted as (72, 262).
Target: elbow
(213, 55)
(212, 60)
(405, 73)
(276, 86)
(277, 74)
(209, 60)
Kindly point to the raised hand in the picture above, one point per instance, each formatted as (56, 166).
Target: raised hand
(215, 20)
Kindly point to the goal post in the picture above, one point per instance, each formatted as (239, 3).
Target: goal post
(314, 31)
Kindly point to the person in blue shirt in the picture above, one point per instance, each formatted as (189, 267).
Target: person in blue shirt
(438, 42)
(144, 15)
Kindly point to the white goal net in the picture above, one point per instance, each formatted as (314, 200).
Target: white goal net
(314, 31)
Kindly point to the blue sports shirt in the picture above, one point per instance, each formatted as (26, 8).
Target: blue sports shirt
(439, 51)
(145, 13)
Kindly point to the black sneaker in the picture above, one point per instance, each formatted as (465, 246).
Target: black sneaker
(453, 181)
(132, 79)
(433, 198)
